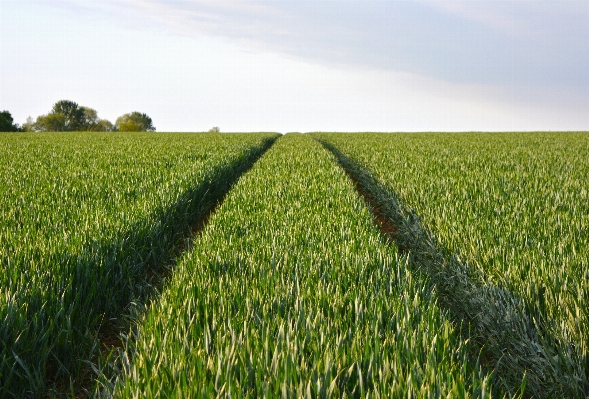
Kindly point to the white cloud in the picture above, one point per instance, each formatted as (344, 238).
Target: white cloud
(523, 18)
(300, 65)
(468, 41)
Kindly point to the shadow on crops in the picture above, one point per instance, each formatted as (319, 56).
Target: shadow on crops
(46, 343)
(510, 333)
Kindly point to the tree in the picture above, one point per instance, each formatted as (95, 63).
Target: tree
(215, 129)
(135, 122)
(50, 123)
(29, 125)
(72, 113)
(6, 123)
(89, 119)
(67, 116)
(92, 123)
(104, 125)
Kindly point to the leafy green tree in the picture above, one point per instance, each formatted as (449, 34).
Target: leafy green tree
(89, 119)
(104, 125)
(73, 114)
(67, 116)
(135, 122)
(92, 123)
(50, 123)
(7, 123)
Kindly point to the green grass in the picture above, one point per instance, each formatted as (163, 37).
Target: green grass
(291, 291)
(508, 214)
(82, 219)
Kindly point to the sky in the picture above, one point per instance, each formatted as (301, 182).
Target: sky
(301, 65)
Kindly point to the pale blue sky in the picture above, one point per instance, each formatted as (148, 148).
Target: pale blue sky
(302, 65)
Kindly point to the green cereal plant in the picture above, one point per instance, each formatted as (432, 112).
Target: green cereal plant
(84, 219)
(292, 291)
(500, 224)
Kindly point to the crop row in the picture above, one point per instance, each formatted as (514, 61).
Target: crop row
(292, 291)
(512, 212)
(82, 219)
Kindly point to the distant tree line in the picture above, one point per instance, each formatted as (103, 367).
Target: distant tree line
(68, 116)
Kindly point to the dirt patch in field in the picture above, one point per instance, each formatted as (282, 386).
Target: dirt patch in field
(386, 226)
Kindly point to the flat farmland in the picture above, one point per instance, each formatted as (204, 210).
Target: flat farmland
(361, 265)
(84, 220)
(291, 291)
(510, 213)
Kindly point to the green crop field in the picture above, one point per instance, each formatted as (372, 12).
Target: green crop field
(336, 265)
(83, 217)
(291, 291)
(512, 211)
